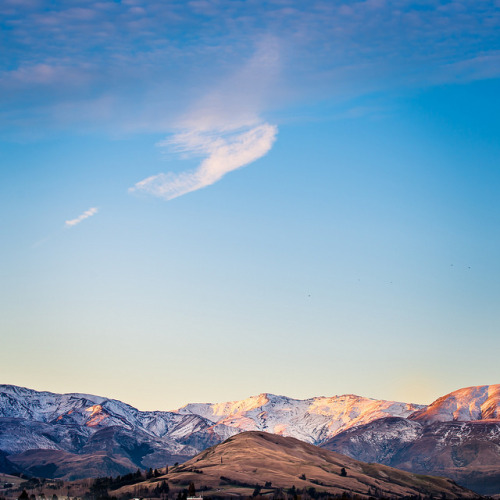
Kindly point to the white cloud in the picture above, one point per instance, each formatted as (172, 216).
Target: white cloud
(223, 127)
(88, 213)
(224, 151)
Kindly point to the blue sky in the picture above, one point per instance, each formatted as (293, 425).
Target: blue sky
(207, 200)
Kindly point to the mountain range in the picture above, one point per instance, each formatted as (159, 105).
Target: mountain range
(458, 435)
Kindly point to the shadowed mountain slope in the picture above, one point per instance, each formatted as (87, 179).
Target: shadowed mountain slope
(468, 452)
(70, 466)
(6, 466)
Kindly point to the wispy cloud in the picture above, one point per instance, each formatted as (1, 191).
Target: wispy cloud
(88, 213)
(225, 151)
(223, 128)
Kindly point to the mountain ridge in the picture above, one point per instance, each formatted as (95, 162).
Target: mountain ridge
(84, 425)
(323, 416)
(313, 420)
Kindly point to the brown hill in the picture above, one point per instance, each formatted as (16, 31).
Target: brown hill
(236, 466)
(70, 466)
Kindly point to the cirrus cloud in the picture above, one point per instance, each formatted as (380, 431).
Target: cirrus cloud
(85, 215)
(223, 127)
(225, 151)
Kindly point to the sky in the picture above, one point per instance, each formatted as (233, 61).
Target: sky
(207, 200)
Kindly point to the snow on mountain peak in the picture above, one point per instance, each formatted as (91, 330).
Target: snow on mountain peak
(312, 420)
(97, 415)
(198, 425)
(467, 404)
(218, 411)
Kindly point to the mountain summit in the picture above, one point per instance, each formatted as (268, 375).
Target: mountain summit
(472, 403)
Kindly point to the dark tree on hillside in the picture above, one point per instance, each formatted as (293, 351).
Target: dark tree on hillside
(312, 492)
(162, 488)
(23, 496)
(191, 490)
(343, 472)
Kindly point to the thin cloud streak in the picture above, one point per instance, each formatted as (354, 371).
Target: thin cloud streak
(223, 128)
(224, 151)
(88, 213)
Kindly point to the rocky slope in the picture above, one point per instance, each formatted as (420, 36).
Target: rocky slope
(312, 420)
(91, 425)
(455, 437)
(467, 452)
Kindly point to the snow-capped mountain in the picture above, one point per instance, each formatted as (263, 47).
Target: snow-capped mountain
(85, 410)
(472, 403)
(70, 422)
(312, 420)
(87, 425)
(457, 436)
